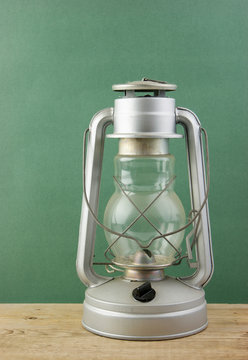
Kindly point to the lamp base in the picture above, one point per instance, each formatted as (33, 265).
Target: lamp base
(177, 310)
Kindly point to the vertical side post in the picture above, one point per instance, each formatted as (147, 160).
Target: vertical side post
(93, 169)
(197, 184)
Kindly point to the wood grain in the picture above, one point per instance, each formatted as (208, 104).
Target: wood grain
(54, 331)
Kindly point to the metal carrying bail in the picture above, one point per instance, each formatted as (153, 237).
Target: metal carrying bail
(156, 81)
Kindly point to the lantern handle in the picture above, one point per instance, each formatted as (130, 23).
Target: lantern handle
(197, 183)
(93, 168)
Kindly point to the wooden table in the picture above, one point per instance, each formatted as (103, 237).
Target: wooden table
(54, 331)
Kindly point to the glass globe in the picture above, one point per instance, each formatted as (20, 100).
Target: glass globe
(143, 178)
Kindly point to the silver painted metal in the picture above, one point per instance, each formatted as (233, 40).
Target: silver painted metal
(177, 310)
(145, 85)
(87, 230)
(144, 117)
(196, 170)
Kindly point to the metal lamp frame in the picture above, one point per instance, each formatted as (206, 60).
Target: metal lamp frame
(197, 184)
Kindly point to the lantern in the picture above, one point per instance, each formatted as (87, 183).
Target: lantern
(144, 221)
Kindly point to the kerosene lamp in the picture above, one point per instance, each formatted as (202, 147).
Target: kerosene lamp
(144, 220)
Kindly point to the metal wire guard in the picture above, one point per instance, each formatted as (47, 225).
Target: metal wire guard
(193, 232)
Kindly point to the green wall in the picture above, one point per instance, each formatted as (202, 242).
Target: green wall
(58, 61)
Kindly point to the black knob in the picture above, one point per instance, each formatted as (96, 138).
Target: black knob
(144, 292)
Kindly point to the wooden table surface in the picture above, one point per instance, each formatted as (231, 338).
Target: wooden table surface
(54, 331)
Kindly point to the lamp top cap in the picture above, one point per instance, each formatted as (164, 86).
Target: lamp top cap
(145, 85)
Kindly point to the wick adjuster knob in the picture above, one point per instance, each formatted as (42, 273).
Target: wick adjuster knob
(144, 292)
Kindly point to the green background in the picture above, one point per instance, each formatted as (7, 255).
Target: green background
(58, 61)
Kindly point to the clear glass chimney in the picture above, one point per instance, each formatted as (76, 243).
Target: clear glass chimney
(144, 175)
